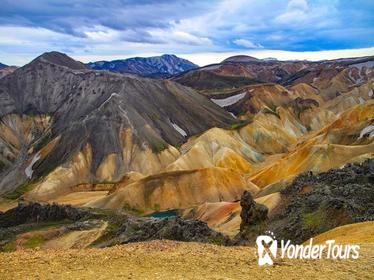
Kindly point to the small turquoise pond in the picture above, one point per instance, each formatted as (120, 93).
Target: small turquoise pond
(163, 214)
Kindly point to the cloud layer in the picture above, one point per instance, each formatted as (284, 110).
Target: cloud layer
(123, 28)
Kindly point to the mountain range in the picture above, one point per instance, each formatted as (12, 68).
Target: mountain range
(187, 143)
(157, 66)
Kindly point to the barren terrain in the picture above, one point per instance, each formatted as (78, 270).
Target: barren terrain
(175, 260)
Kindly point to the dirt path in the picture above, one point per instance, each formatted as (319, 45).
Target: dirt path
(175, 260)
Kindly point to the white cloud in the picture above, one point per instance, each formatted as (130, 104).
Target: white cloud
(200, 27)
(101, 34)
(299, 14)
(291, 17)
(215, 57)
(19, 35)
(297, 5)
(296, 12)
(19, 45)
(277, 37)
(230, 17)
(178, 36)
(247, 43)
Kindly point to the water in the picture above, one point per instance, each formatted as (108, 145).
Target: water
(163, 214)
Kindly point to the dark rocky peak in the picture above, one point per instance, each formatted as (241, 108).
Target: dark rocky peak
(156, 66)
(3, 65)
(60, 59)
(169, 55)
(241, 58)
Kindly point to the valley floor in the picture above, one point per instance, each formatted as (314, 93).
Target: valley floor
(175, 260)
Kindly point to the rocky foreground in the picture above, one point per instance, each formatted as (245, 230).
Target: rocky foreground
(175, 260)
(315, 203)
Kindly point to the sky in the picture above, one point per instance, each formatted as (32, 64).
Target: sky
(202, 31)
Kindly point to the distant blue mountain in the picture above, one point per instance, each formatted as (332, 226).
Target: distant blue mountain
(157, 66)
(2, 65)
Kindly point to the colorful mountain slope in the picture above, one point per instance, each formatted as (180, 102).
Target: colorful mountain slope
(99, 125)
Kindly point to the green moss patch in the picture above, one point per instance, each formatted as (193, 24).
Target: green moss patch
(10, 247)
(158, 147)
(315, 220)
(19, 191)
(239, 124)
(154, 116)
(216, 241)
(132, 210)
(34, 242)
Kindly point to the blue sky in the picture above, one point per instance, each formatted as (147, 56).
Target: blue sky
(203, 31)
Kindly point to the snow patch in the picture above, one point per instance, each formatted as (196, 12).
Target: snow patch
(232, 114)
(369, 130)
(370, 93)
(229, 100)
(179, 129)
(362, 101)
(28, 170)
(110, 97)
(215, 146)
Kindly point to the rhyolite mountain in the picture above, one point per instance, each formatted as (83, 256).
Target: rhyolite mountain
(244, 85)
(157, 66)
(239, 71)
(56, 110)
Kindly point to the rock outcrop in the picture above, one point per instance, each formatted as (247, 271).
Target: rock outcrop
(172, 228)
(254, 220)
(35, 212)
(252, 213)
(315, 203)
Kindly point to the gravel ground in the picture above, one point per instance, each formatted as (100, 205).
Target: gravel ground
(175, 260)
